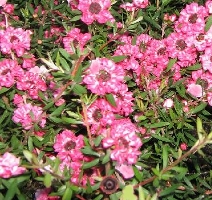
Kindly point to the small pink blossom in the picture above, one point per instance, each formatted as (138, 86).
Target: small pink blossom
(3, 2)
(104, 76)
(168, 103)
(95, 10)
(183, 146)
(75, 39)
(126, 170)
(124, 140)
(28, 115)
(68, 146)
(195, 90)
(9, 166)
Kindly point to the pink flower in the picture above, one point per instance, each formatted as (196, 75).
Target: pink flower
(9, 70)
(206, 59)
(32, 83)
(3, 2)
(183, 146)
(126, 170)
(191, 20)
(43, 194)
(68, 146)
(9, 166)
(14, 40)
(208, 6)
(168, 103)
(75, 39)
(104, 76)
(28, 115)
(195, 90)
(95, 10)
(126, 144)
(141, 3)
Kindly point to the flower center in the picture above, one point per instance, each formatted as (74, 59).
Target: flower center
(75, 42)
(97, 115)
(69, 145)
(193, 18)
(200, 37)
(95, 8)
(161, 51)
(180, 45)
(123, 142)
(104, 76)
(6, 71)
(109, 185)
(13, 38)
(211, 58)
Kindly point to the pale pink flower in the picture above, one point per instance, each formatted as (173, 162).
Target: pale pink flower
(75, 39)
(104, 76)
(100, 113)
(68, 146)
(9, 70)
(9, 166)
(209, 98)
(191, 20)
(141, 3)
(126, 170)
(3, 2)
(14, 40)
(32, 83)
(195, 90)
(206, 59)
(28, 115)
(208, 6)
(168, 103)
(170, 18)
(124, 141)
(43, 194)
(95, 10)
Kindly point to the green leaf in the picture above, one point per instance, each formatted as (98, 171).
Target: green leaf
(64, 64)
(67, 120)
(208, 23)
(11, 190)
(106, 158)
(79, 89)
(170, 64)
(47, 180)
(169, 190)
(156, 171)
(88, 151)
(165, 156)
(152, 22)
(68, 194)
(90, 164)
(158, 125)
(118, 58)
(128, 193)
(194, 67)
(164, 139)
(200, 107)
(111, 99)
(97, 140)
(58, 111)
(165, 2)
(138, 174)
(65, 54)
(3, 90)
(75, 18)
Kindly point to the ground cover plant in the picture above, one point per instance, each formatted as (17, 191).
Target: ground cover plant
(105, 99)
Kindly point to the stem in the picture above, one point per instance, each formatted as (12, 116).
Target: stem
(176, 162)
(84, 109)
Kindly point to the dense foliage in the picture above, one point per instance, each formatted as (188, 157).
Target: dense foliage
(105, 99)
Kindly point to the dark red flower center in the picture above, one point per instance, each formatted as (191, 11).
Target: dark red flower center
(95, 8)
(180, 45)
(97, 115)
(5, 71)
(75, 42)
(123, 142)
(193, 18)
(211, 58)
(200, 37)
(109, 185)
(104, 76)
(161, 51)
(69, 145)
(13, 38)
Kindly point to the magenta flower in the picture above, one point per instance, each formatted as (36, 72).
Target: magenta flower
(68, 146)
(9, 166)
(9, 70)
(124, 142)
(75, 39)
(104, 76)
(95, 10)
(28, 115)
(14, 40)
